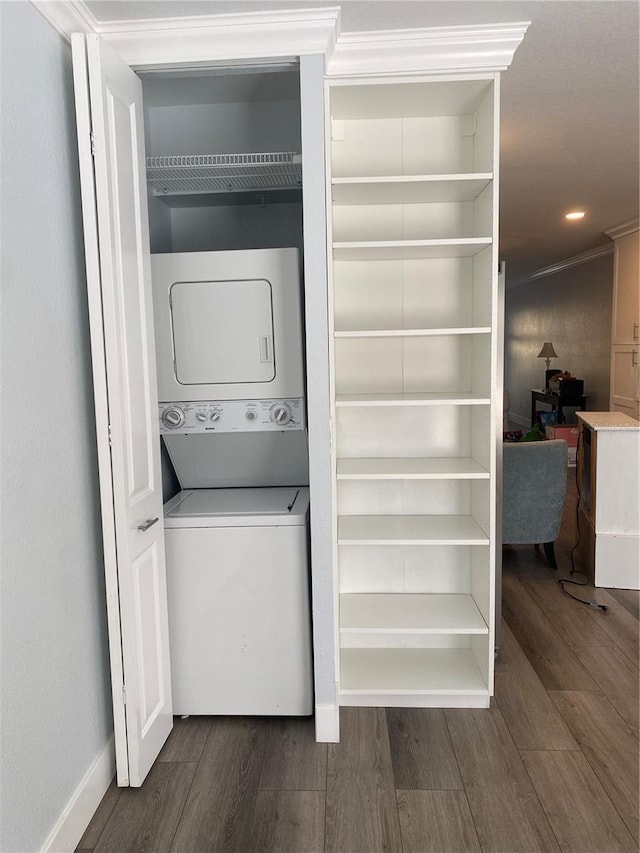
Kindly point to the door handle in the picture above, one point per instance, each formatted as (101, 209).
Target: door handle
(636, 326)
(147, 524)
(264, 348)
(634, 357)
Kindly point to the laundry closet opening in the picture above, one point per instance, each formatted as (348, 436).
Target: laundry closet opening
(224, 177)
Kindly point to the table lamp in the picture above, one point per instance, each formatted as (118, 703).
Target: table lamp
(547, 352)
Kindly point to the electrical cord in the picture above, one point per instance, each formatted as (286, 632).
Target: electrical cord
(585, 582)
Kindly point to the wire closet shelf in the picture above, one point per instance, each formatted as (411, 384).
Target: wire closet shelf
(213, 173)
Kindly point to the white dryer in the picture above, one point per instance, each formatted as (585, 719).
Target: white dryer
(238, 593)
(228, 325)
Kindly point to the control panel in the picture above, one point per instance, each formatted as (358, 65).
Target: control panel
(232, 416)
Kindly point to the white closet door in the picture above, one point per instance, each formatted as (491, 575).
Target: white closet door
(109, 105)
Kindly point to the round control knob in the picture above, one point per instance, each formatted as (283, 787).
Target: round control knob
(251, 415)
(214, 416)
(281, 414)
(201, 416)
(173, 417)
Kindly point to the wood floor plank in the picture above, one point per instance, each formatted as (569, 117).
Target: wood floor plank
(579, 810)
(361, 806)
(620, 625)
(531, 717)
(293, 761)
(421, 752)
(218, 810)
(436, 822)
(505, 808)
(577, 625)
(287, 821)
(629, 598)
(144, 819)
(610, 747)
(555, 663)
(99, 820)
(187, 739)
(617, 677)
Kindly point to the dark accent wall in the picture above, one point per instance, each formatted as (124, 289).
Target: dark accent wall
(572, 309)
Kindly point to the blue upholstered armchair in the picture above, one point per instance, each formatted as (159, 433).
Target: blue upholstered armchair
(533, 492)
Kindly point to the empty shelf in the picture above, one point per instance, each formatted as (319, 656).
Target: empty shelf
(409, 398)
(409, 189)
(408, 333)
(410, 613)
(410, 530)
(442, 468)
(222, 173)
(397, 671)
(380, 250)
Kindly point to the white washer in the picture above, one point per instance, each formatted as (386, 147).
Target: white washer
(238, 592)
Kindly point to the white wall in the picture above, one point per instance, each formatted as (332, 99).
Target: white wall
(55, 697)
(572, 309)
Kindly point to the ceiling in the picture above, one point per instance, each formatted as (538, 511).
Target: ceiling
(569, 117)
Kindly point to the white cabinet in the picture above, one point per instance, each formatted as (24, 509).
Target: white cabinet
(626, 292)
(414, 291)
(625, 326)
(609, 524)
(624, 379)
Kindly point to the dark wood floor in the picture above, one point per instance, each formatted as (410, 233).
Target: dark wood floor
(551, 766)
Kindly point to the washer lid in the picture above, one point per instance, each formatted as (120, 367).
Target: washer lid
(200, 504)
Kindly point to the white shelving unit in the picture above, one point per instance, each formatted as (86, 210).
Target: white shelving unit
(413, 237)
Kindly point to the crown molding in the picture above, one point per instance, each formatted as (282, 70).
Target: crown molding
(574, 261)
(484, 47)
(150, 42)
(67, 16)
(623, 229)
(225, 38)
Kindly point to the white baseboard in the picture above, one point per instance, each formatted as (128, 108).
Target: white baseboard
(327, 724)
(518, 419)
(77, 814)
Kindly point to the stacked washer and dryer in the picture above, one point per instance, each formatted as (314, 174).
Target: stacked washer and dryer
(229, 354)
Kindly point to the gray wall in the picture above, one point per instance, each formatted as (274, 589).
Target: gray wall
(55, 696)
(223, 128)
(244, 226)
(572, 309)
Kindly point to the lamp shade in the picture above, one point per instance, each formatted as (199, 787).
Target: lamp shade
(547, 351)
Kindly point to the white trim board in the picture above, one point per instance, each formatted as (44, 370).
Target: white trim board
(150, 42)
(327, 718)
(77, 814)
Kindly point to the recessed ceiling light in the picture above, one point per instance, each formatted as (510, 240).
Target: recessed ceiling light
(575, 214)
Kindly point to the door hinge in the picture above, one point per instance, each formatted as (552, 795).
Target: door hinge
(92, 141)
(124, 695)
(109, 435)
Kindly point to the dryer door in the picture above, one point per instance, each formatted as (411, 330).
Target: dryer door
(222, 331)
